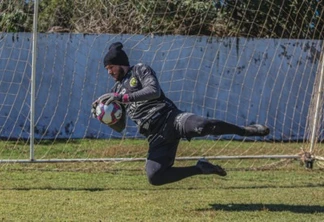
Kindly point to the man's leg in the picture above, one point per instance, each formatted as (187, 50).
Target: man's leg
(159, 165)
(162, 152)
(159, 173)
(197, 126)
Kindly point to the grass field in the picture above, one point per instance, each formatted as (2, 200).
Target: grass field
(119, 191)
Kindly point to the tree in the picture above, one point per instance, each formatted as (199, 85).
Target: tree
(274, 19)
(55, 13)
(223, 18)
(15, 16)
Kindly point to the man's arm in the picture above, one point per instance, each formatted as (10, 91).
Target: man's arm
(151, 87)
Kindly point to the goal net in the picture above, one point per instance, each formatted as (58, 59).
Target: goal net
(243, 62)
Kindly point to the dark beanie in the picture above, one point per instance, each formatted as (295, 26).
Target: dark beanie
(116, 56)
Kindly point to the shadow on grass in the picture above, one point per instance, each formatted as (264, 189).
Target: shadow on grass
(60, 189)
(293, 186)
(212, 187)
(22, 141)
(96, 189)
(266, 207)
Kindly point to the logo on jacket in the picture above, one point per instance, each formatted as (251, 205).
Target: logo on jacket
(133, 82)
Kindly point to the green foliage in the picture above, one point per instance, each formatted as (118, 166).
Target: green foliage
(275, 19)
(55, 13)
(247, 18)
(15, 17)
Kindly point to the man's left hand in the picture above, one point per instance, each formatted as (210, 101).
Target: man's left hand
(113, 97)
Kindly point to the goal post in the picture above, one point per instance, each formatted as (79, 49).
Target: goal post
(33, 81)
(316, 120)
(241, 62)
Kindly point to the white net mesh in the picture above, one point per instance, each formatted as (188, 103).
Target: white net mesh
(238, 61)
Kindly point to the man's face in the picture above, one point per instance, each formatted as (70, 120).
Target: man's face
(116, 71)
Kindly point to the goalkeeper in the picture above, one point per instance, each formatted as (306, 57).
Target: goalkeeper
(160, 121)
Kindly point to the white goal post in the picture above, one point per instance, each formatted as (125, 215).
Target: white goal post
(49, 79)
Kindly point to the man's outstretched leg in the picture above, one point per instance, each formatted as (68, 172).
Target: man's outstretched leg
(197, 126)
(160, 173)
(161, 155)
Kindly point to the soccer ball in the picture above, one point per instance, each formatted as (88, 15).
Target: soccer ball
(109, 114)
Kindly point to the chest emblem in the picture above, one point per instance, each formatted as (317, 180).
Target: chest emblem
(133, 82)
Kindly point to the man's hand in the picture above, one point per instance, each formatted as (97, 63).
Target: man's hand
(113, 97)
(93, 108)
(107, 99)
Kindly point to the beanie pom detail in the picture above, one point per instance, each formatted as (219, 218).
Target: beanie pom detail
(116, 45)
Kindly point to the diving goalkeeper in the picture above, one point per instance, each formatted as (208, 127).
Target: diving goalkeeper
(137, 89)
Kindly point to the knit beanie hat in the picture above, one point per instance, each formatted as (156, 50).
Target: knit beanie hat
(116, 56)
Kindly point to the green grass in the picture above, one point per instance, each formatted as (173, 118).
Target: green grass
(120, 191)
(86, 148)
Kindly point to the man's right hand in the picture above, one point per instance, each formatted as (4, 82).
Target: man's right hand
(93, 108)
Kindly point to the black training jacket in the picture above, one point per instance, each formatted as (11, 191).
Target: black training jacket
(147, 100)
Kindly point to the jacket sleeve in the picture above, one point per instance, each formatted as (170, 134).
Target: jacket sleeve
(150, 85)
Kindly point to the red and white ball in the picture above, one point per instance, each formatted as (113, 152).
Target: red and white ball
(109, 114)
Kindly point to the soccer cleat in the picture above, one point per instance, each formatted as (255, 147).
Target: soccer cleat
(256, 130)
(208, 168)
